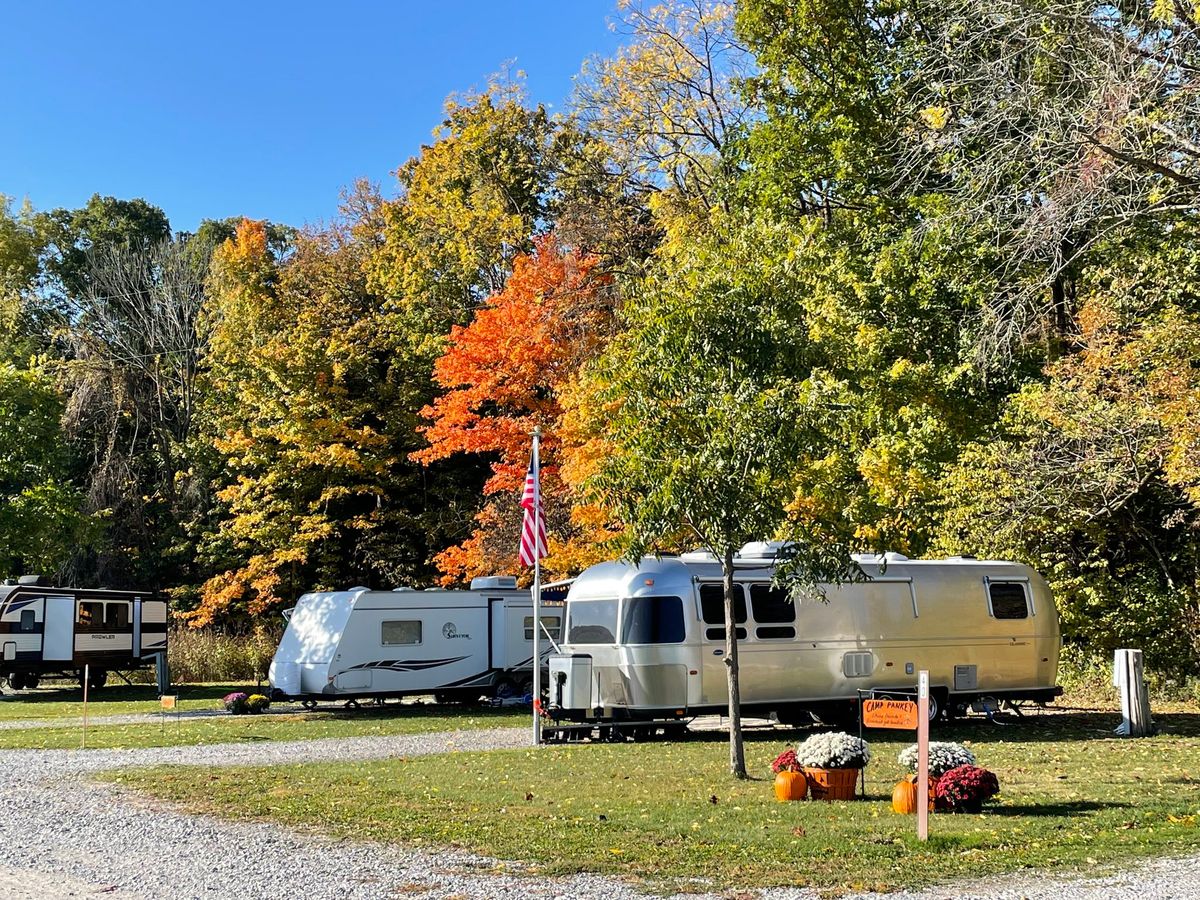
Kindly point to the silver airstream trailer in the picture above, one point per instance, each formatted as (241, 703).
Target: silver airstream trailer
(646, 643)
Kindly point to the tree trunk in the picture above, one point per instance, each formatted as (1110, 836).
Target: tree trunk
(737, 754)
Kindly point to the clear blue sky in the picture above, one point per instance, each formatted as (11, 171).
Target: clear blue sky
(256, 108)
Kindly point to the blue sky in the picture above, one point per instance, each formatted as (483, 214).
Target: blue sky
(255, 108)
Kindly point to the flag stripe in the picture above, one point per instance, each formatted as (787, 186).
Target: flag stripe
(533, 524)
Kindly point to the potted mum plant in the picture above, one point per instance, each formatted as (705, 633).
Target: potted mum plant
(943, 756)
(235, 702)
(831, 763)
(965, 788)
(790, 783)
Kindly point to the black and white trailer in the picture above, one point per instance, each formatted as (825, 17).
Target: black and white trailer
(52, 631)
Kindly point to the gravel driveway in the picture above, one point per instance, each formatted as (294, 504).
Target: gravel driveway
(64, 837)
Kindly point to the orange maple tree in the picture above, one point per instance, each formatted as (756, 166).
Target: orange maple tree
(504, 374)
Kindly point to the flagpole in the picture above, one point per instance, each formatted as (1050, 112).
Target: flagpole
(537, 591)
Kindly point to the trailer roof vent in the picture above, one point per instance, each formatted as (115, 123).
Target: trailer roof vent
(762, 550)
(29, 579)
(866, 557)
(402, 587)
(697, 556)
(494, 583)
(962, 556)
(895, 557)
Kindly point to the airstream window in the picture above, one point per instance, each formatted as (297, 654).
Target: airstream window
(712, 604)
(551, 624)
(1008, 600)
(771, 604)
(775, 632)
(405, 632)
(718, 634)
(654, 620)
(592, 622)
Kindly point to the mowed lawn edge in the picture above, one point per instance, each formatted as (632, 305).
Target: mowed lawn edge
(667, 814)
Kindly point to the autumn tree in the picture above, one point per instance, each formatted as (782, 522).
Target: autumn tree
(502, 375)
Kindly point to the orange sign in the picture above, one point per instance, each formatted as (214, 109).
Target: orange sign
(168, 701)
(889, 714)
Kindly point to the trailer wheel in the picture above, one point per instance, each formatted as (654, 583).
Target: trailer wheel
(96, 679)
(31, 681)
(16, 681)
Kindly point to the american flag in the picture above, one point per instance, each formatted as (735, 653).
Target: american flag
(534, 523)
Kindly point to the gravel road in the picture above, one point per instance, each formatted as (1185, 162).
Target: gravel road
(62, 836)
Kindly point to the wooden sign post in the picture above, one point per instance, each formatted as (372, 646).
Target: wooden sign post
(923, 755)
(86, 678)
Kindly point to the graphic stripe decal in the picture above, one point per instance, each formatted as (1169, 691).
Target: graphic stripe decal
(407, 665)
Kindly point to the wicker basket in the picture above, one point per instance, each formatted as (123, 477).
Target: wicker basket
(831, 784)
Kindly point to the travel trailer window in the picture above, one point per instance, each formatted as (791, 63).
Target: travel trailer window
(712, 604)
(771, 605)
(718, 634)
(1008, 600)
(403, 632)
(27, 621)
(116, 616)
(775, 632)
(592, 622)
(552, 624)
(653, 620)
(91, 616)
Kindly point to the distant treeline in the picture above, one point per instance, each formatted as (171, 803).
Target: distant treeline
(926, 279)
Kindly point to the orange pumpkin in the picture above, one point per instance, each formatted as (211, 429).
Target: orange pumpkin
(904, 795)
(791, 786)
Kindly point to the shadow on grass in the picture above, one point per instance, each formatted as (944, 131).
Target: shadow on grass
(118, 693)
(1067, 808)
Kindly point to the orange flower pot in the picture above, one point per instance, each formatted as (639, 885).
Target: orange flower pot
(831, 784)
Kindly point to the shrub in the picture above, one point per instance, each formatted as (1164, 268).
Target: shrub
(785, 762)
(835, 750)
(965, 785)
(256, 703)
(236, 703)
(943, 756)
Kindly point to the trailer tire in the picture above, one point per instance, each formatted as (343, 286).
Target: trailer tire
(31, 681)
(16, 681)
(96, 679)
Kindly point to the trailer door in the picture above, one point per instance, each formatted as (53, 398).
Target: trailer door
(59, 640)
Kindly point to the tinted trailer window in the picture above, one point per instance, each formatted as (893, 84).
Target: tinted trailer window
(654, 620)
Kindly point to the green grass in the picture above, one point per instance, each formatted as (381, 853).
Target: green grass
(663, 813)
(172, 732)
(112, 700)
(44, 706)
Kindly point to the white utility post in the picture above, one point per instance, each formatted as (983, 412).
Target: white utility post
(1129, 679)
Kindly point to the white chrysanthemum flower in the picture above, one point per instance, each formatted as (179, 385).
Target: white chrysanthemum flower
(835, 750)
(943, 756)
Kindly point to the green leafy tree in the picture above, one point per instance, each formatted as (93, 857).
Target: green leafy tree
(41, 521)
(710, 410)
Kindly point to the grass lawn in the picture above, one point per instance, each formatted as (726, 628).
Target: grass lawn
(662, 813)
(112, 700)
(48, 704)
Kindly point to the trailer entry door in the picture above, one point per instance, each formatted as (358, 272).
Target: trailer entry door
(59, 639)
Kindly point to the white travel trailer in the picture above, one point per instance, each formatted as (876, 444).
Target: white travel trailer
(48, 631)
(453, 644)
(646, 643)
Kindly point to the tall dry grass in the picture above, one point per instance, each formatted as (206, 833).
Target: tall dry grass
(201, 655)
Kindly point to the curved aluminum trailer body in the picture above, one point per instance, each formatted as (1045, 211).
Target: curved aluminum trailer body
(648, 641)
